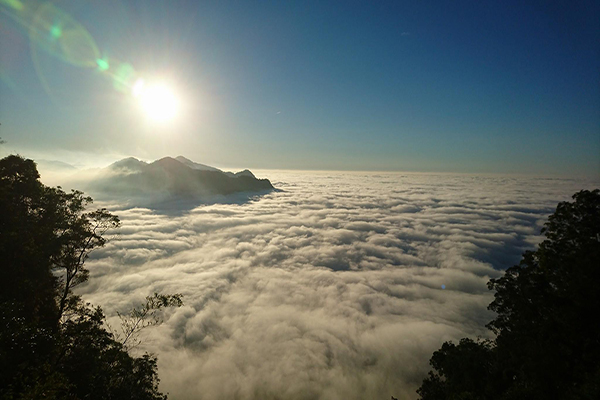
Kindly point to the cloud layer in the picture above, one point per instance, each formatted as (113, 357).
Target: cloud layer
(330, 288)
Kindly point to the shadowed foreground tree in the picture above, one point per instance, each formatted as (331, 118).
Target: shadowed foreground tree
(547, 343)
(52, 345)
(148, 314)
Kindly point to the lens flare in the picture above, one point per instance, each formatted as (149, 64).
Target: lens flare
(123, 77)
(103, 64)
(55, 32)
(14, 4)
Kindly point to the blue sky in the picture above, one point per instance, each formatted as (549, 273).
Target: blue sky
(463, 86)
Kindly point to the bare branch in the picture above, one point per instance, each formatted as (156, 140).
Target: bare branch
(148, 314)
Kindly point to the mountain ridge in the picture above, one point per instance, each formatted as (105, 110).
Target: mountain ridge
(173, 178)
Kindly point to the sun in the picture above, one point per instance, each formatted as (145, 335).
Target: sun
(157, 100)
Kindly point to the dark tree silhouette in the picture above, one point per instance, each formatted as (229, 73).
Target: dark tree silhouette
(52, 345)
(144, 316)
(547, 343)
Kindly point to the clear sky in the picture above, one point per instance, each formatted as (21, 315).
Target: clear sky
(466, 86)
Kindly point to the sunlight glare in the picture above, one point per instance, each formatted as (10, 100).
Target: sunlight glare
(158, 101)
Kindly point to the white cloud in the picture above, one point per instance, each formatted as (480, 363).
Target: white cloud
(328, 289)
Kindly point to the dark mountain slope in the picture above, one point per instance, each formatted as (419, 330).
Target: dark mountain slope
(174, 178)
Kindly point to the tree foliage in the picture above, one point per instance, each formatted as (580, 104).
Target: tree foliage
(52, 345)
(547, 343)
(148, 314)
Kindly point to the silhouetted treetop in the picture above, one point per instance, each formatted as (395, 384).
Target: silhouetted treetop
(52, 345)
(547, 344)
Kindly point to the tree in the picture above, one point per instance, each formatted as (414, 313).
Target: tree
(463, 371)
(44, 230)
(25, 220)
(148, 314)
(52, 345)
(547, 337)
(79, 234)
(99, 367)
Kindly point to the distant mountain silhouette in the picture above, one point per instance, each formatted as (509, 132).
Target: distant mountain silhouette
(173, 178)
(202, 167)
(55, 165)
(130, 164)
(195, 165)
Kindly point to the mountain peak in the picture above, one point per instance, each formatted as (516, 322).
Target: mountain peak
(184, 160)
(167, 160)
(175, 178)
(130, 163)
(195, 165)
(245, 172)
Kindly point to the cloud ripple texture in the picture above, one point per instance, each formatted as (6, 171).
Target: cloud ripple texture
(338, 286)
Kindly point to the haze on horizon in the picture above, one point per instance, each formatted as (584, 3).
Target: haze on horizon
(456, 87)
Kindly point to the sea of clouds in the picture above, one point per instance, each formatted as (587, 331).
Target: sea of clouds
(336, 286)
